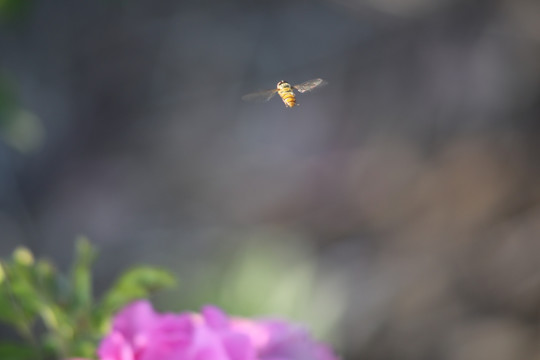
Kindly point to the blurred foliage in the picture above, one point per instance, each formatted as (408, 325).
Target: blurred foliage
(275, 273)
(19, 128)
(14, 10)
(34, 294)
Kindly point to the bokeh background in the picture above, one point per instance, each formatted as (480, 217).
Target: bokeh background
(396, 212)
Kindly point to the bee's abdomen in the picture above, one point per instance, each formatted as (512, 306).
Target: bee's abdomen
(288, 97)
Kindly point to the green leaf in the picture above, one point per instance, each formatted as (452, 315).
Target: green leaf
(83, 348)
(81, 275)
(58, 320)
(19, 298)
(136, 283)
(53, 285)
(14, 351)
(7, 313)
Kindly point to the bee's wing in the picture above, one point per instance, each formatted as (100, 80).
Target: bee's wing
(260, 96)
(310, 85)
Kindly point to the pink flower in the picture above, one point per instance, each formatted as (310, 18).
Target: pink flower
(139, 333)
(279, 340)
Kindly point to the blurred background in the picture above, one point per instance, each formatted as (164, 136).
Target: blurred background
(396, 212)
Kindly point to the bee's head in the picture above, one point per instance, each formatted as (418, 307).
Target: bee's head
(283, 84)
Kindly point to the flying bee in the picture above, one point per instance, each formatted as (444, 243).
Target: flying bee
(285, 90)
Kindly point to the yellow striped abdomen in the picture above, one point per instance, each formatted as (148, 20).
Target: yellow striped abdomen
(287, 95)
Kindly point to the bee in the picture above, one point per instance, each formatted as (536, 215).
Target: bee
(285, 91)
